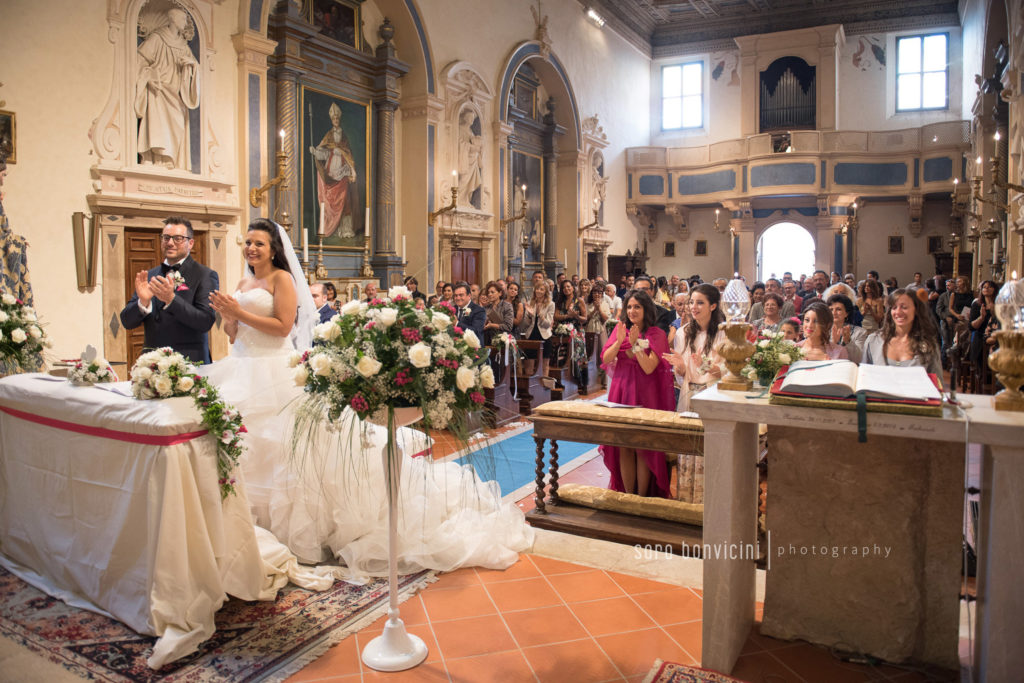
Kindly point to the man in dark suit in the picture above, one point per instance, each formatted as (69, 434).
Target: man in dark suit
(665, 315)
(320, 301)
(471, 316)
(172, 300)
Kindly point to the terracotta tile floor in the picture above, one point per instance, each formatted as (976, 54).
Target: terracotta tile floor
(549, 620)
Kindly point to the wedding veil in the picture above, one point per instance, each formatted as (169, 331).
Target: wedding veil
(306, 315)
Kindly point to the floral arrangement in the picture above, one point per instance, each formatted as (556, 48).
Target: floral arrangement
(164, 373)
(22, 340)
(564, 329)
(771, 352)
(92, 371)
(388, 353)
(178, 280)
(610, 323)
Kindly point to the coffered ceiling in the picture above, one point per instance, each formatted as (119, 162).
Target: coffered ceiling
(663, 28)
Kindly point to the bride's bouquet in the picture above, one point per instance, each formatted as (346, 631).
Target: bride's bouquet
(387, 353)
(164, 373)
(22, 340)
(91, 369)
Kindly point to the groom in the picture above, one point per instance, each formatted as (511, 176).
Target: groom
(173, 299)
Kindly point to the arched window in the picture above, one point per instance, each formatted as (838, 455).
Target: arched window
(785, 247)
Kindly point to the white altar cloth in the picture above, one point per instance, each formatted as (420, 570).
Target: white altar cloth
(112, 504)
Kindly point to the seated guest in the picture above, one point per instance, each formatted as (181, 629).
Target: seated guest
(413, 285)
(771, 306)
(790, 328)
(817, 343)
(499, 316)
(369, 291)
(320, 301)
(471, 316)
(844, 332)
(756, 297)
(640, 377)
(680, 302)
(332, 295)
(694, 356)
(907, 336)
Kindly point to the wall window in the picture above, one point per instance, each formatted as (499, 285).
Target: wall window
(922, 79)
(682, 96)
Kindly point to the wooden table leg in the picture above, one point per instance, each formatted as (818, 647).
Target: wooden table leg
(553, 471)
(539, 494)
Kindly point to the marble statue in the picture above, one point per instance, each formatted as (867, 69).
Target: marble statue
(166, 87)
(471, 159)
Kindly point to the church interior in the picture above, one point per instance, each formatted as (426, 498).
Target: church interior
(477, 140)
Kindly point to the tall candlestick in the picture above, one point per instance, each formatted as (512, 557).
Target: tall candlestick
(323, 224)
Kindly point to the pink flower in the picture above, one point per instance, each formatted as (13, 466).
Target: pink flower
(457, 331)
(477, 397)
(403, 378)
(411, 335)
(359, 403)
(242, 429)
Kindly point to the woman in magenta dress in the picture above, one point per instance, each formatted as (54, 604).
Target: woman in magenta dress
(640, 377)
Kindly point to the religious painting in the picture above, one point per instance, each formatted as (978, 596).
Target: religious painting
(335, 169)
(700, 248)
(337, 19)
(528, 171)
(895, 244)
(8, 137)
(935, 244)
(670, 249)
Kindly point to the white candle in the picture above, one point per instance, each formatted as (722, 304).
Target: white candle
(323, 224)
(404, 252)
(565, 257)
(366, 220)
(305, 245)
(542, 243)
(522, 255)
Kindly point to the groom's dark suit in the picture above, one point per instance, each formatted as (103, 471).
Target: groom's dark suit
(182, 325)
(473, 319)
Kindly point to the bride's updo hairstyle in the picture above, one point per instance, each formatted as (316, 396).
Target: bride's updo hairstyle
(278, 259)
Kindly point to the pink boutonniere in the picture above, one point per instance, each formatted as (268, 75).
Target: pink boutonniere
(178, 281)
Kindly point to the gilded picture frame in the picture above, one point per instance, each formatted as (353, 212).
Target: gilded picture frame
(528, 170)
(670, 249)
(326, 174)
(339, 20)
(935, 244)
(895, 244)
(700, 247)
(8, 136)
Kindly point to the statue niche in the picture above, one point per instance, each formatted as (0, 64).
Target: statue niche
(167, 86)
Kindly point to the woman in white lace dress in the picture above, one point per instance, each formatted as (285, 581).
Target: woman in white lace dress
(322, 492)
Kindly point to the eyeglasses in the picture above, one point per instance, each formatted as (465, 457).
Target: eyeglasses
(177, 239)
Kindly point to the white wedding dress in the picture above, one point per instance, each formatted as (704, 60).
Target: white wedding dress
(323, 494)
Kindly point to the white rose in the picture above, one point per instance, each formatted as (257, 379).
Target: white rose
(321, 364)
(465, 378)
(368, 367)
(300, 376)
(164, 363)
(35, 332)
(4, 317)
(29, 314)
(763, 343)
(387, 316)
(487, 377)
(9, 300)
(784, 358)
(440, 320)
(350, 308)
(90, 377)
(327, 331)
(419, 355)
(162, 385)
(142, 373)
(470, 338)
(400, 290)
(294, 358)
(18, 335)
(185, 383)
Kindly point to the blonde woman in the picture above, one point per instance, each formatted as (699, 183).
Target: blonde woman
(538, 317)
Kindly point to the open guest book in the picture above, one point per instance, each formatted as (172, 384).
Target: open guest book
(836, 383)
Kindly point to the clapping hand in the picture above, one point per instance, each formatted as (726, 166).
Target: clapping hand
(620, 333)
(142, 288)
(225, 304)
(162, 288)
(634, 334)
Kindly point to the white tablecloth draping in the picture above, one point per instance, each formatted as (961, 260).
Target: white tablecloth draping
(112, 504)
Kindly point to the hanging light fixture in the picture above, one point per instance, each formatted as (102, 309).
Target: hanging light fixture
(595, 18)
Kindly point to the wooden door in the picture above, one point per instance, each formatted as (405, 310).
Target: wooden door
(593, 265)
(142, 252)
(466, 266)
(616, 269)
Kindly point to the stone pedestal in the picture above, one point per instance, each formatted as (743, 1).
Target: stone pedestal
(864, 547)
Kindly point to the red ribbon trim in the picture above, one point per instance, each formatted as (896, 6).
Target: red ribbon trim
(146, 439)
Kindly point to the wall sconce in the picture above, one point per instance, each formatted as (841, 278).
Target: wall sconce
(594, 223)
(595, 18)
(852, 223)
(718, 219)
(256, 193)
(996, 182)
(432, 216)
(519, 216)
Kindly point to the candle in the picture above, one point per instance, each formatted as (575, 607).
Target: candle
(366, 220)
(565, 257)
(542, 243)
(404, 252)
(323, 224)
(522, 255)
(305, 245)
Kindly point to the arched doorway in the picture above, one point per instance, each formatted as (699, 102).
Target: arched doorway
(785, 247)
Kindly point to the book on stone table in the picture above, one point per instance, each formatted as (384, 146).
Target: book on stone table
(835, 384)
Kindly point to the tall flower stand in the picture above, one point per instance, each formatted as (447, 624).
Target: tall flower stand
(394, 649)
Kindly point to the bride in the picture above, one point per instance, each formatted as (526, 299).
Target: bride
(322, 492)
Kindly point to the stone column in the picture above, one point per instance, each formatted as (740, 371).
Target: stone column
(387, 265)
(550, 208)
(287, 193)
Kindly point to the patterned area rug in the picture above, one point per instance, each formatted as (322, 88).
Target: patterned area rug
(254, 641)
(670, 672)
